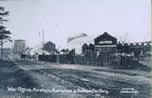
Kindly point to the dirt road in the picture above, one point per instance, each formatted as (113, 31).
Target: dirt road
(83, 80)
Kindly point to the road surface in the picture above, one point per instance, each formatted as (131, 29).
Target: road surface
(81, 81)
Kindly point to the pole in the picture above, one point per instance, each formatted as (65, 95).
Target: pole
(2, 49)
(43, 40)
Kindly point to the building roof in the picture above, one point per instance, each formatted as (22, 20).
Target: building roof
(49, 42)
(39, 51)
(105, 37)
(19, 40)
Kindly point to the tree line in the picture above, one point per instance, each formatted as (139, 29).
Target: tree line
(4, 33)
(122, 48)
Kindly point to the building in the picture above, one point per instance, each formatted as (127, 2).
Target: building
(19, 46)
(50, 47)
(105, 46)
(105, 43)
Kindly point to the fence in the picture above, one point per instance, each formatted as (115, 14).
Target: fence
(102, 60)
(57, 58)
(113, 61)
(50, 58)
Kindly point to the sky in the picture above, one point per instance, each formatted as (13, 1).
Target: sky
(127, 20)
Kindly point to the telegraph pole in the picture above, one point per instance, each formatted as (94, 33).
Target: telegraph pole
(42, 39)
(2, 49)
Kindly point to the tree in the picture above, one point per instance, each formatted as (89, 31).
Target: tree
(84, 48)
(131, 47)
(137, 52)
(126, 48)
(91, 47)
(4, 34)
(120, 47)
(72, 52)
(63, 50)
(66, 51)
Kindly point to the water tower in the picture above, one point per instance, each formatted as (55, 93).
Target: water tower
(19, 46)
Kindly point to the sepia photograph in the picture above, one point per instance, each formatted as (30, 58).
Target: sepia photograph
(75, 48)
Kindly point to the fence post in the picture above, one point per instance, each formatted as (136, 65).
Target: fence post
(57, 59)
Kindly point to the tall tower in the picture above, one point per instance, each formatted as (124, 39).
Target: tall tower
(19, 46)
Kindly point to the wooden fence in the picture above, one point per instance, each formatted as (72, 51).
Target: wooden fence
(83, 60)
